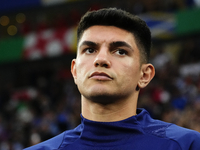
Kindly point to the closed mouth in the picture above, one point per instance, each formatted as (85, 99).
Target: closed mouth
(100, 74)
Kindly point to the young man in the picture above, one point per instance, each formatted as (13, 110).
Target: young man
(110, 69)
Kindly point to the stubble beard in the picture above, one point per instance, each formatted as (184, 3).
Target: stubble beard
(104, 98)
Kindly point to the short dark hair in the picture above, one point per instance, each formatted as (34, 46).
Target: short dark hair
(121, 19)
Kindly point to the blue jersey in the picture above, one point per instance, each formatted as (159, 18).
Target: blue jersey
(139, 132)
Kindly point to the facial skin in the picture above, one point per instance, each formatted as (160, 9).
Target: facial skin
(108, 69)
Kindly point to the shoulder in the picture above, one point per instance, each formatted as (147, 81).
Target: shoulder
(186, 138)
(58, 141)
(50, 144)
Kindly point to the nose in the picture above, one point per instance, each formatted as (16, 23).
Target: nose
(102, 59)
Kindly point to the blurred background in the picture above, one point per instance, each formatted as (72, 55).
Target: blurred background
(38, 97)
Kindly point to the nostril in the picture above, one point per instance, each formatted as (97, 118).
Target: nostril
(101, 64)
(105, 65)
(96, 64)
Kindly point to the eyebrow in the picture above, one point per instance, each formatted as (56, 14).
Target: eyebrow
(89, 43)
(112, 45)
(120, 44)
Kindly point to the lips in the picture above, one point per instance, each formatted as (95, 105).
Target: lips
(100, 76)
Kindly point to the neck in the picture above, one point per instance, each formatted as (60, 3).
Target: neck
(117, 111)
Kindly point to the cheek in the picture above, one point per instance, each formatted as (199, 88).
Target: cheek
(131, 71)
(82, 70)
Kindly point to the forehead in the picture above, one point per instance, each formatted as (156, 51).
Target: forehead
(107, 34)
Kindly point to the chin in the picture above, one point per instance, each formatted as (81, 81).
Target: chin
(103, 98)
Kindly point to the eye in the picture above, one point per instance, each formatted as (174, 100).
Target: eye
(121, 52)
(89, 50)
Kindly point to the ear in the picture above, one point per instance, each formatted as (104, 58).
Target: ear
(147, 74)
(73, 70)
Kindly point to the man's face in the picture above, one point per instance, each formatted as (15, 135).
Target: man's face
(107, 66)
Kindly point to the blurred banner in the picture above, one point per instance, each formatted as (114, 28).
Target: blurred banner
(53, 2)
(52, 42)
(11, 49)
(36, 45)
(49, 43)
(7, 6)
(188, 21)
(162, 25)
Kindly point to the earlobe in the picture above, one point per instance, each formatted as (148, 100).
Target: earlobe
(147, 74)
(73, 69)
